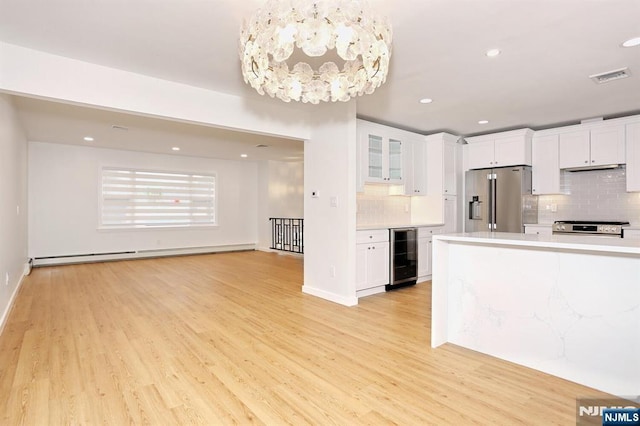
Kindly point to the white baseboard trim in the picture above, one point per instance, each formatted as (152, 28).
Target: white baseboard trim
(332, 297)
(285, 253)
(138, 254)
(423, 279)
(370, 291)
(12, 299)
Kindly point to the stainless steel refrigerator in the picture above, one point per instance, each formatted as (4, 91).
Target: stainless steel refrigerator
(499, 199)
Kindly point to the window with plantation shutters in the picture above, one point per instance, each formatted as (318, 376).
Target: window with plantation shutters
(140, 198)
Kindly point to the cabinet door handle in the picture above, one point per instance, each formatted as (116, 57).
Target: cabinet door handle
(586, 161)
(593, 161)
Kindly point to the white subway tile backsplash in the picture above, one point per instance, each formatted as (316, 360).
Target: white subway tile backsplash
(376, 206)
(591, 195)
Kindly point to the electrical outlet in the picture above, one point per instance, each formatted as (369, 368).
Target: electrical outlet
(332, 271)
(6, 278)
(17, 210)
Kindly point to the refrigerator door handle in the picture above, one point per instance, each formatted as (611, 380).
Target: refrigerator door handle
(494, 216)
(491, 202)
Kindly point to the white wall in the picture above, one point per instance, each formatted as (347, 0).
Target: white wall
(330, 150)
(591, 195)
(33, 73)
(330, 232)
(13, 195)
(64, 182)
(280, 194)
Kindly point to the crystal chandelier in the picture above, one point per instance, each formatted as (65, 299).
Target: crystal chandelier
(344, 30)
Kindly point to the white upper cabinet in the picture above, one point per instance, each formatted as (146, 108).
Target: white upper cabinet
(442, 164)
(380, 153)
(599, 146)
(545, 168)
(633, 157)
(415, 166)
(499, 149)
(450, 163)
(480, 155)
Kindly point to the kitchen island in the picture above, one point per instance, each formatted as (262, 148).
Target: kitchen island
(565, 305)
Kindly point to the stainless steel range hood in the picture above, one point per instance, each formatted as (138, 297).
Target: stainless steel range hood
(587, 168)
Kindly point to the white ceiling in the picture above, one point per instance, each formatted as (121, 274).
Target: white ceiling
(67, 124)
(549, 48)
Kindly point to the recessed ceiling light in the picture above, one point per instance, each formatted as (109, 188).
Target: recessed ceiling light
(632, 42)
(426, 100)
(243, 155)
(483, 122)
(492, 53)
(88, 138)
(176, 148)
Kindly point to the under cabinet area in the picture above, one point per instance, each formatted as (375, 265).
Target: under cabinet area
(372, 261)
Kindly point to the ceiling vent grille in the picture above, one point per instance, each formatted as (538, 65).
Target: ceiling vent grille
(608, 76)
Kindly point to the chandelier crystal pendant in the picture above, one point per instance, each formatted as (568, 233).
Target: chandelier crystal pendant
(343, 31)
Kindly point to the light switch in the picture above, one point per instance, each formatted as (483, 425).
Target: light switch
(315, 194)
(334, 201)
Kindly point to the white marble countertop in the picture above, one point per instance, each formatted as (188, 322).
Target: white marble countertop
(563, 242)
(395, 225)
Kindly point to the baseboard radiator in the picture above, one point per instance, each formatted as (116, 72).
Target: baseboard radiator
(137, 254)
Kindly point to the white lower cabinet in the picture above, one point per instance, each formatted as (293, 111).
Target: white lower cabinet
(424, 257)
(538, 229)
(424, 250)
(632, 233)
(372, 259)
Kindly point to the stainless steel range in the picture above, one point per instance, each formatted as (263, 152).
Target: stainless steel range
(596, 228)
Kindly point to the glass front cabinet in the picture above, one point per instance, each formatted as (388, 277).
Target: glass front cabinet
(381, 154)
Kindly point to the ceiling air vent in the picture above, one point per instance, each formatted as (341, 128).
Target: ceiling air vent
(262, 146)
(608, 76)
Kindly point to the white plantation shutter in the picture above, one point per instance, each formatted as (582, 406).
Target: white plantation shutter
(140, 198)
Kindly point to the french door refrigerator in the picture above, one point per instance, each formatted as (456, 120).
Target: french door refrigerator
(499, 199)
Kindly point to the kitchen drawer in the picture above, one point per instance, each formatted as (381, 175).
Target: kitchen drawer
(429, 231)
(632, 233)
(373, 236)
(535, 229)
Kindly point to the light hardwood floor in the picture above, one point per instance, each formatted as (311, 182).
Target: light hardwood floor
(230, 338)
